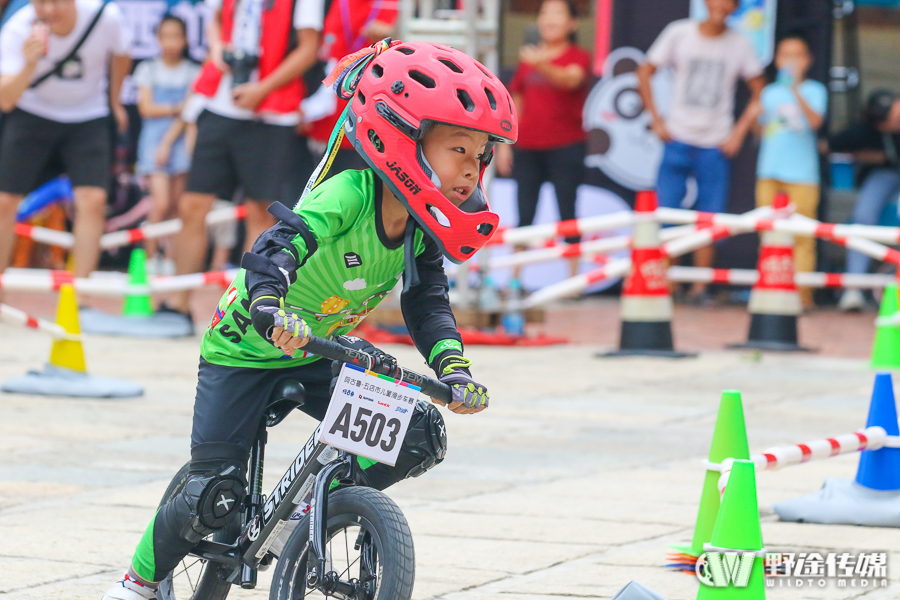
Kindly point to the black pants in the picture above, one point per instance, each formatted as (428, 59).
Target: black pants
(563, 167)
(32, 147)
(267, 162)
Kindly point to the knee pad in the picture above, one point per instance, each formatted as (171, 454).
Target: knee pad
(214, 492)
(425, 444)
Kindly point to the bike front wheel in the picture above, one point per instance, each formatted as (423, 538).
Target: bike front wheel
(368, 544)
(195, 578)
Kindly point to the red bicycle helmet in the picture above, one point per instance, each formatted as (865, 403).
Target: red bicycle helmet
(403, 89)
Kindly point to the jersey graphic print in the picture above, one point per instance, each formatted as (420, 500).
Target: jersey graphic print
(705, 83)
(226, 300)
(352, 259)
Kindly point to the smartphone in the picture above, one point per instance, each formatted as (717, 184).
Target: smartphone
(532, 36)
(41, 30)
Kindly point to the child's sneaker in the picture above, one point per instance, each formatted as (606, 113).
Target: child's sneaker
(129, 589)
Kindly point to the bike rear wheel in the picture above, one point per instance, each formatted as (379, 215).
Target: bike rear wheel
(194, 578)
(368, 539)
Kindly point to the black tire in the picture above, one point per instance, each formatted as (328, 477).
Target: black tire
(193, 579)
(370, 512)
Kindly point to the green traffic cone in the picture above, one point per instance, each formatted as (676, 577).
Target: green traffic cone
(886, 347)
(137, 305)
(729, 441)
(737, 530)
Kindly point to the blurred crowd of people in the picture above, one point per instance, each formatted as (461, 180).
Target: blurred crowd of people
(247, 125)
(250, 123)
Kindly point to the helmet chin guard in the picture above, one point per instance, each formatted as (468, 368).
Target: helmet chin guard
(404, 88)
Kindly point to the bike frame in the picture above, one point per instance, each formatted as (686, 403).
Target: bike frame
(310, 475)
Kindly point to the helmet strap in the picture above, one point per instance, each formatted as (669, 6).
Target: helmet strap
(426, 166)
(411, 272)
(334, 144)
(343, 79)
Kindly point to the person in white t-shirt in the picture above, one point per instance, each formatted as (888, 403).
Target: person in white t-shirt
(61, 116)
(700, 135)
(252, 87)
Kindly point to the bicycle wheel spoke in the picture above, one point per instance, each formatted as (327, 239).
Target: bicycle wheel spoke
(347, 550)
(190, 582)
(184, 570)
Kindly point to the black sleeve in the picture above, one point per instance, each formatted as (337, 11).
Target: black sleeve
(858, 136)
(273, 261)
(426, 307)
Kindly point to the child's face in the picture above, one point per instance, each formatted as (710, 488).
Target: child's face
(554, 22)
(171, 39)
(794, 55)
(720, 10)
(454, 154)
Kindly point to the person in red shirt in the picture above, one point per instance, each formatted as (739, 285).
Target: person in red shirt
(549, 89)
(350, 25)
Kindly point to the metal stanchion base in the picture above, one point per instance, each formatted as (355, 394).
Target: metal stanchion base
(646, 338)
(776, 333)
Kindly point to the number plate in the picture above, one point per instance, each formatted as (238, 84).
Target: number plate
(369, 414)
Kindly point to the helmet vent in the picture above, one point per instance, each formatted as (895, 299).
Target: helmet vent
(377, 71)
(450, 65)
(405, 50)
(486, 74)
(467, 249)
(422, 79)
(491, 99)
(440, 217)
(485, 229)
(362, 98)
(466, 100)
(376, 141)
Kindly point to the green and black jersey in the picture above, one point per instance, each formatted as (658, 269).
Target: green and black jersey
(345, 269)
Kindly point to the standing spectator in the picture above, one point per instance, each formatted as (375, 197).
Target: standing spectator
(700, 134)
(549, 89)
(166, 142)
(792, 111)
(875, 144)
(245, 136)
(10, 7)
(349, 26)
(60, 104)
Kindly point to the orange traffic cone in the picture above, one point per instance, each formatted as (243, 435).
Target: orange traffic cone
(774, 302)
(646, 308)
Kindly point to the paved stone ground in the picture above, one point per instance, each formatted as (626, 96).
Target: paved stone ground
(572, 484)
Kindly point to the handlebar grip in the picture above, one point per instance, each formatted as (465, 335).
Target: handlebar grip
(334, 351)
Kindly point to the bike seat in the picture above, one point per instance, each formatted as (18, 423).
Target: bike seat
(287, 395)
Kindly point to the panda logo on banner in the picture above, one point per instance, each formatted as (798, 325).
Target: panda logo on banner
(620, 141)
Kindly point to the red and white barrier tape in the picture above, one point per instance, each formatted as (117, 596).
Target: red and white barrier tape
(749, 277)
(870, 438)
(33, 280)
(526, 235)
(130, 236)
(56, 331)
(537, 233)
(716, 229)
(614, 269)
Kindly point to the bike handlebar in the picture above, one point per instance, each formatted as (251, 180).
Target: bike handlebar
(334, 351)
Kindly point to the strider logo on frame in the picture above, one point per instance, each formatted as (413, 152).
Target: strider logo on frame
(278, 494)
(352, 259)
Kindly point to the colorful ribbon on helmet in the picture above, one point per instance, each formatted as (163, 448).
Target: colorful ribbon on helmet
(344, 79)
